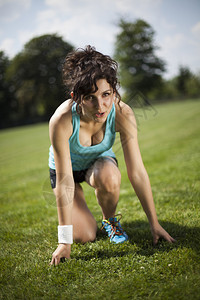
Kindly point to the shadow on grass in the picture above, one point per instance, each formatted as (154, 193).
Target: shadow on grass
(185, 236)
(140, 241)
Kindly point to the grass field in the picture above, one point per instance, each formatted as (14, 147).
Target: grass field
(169, 136)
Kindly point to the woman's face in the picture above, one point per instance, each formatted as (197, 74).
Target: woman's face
(97, 106)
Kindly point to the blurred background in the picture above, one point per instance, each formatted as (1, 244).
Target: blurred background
(155, 42)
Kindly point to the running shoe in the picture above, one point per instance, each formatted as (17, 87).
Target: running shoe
(114, 230)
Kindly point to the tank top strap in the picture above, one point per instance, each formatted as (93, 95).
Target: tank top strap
(75, 119)
(111, 119)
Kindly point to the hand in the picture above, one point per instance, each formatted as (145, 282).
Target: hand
(62, 251)
(159, 232)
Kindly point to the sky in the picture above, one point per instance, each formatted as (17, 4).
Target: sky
(81, 22)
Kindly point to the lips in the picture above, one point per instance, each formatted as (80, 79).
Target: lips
(100, 115)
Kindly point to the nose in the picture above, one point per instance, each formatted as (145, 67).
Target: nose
(99, 103)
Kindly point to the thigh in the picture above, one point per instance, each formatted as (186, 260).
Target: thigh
(103, 170)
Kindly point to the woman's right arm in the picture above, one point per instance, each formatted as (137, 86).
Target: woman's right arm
(60, 130)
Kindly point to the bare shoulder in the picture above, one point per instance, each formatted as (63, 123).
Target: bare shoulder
(123, 110)
(62, 118)
(125, 117)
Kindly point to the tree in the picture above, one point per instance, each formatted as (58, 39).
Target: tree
(183, 77)
(8, 102)
(140, 69)
(193, 86)
(183, 86)
(36, 72)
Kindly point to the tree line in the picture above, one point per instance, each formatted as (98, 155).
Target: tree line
(31, 83)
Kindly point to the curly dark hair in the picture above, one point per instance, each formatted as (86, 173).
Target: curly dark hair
(83, 67)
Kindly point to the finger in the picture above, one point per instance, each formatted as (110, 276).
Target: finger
(52, 262)
(57, 260)
(155, 240)
(173, 240)
(169, 238)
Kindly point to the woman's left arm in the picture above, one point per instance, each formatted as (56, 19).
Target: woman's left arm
(137, 174)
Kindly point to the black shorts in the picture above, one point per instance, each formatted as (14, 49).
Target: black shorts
(79, 176)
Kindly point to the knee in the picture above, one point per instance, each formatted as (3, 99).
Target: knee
(88, 236)
(85, 230)
(109, 181)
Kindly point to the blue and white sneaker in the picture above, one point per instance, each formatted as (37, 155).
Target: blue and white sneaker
(115, 232)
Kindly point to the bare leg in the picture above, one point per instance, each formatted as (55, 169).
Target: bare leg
(105, 177)
(84, 224)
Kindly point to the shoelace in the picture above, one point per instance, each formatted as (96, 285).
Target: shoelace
(116, 228)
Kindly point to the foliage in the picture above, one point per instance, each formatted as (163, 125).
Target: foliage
(8, 102)
(135, 270)
(184, 85)
(192, 86)
(36, 73)
(135, 50)
(187, 84)
(183, 76)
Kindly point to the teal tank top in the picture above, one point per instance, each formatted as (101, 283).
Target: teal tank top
(83, 157)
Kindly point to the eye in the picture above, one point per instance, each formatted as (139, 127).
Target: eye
(106, 94)
(88, 98)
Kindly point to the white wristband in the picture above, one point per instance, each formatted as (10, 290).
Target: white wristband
(65, 234)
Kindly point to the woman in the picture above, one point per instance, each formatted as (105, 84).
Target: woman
(82, 132)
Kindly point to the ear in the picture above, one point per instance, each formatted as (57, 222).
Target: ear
(115, 97)
(72, 95)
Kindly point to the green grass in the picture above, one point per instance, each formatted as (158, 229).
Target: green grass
(169, 141)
